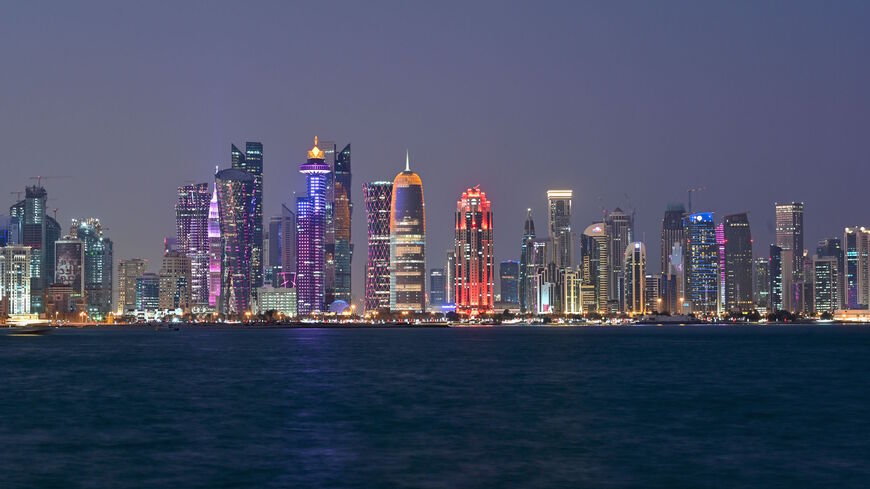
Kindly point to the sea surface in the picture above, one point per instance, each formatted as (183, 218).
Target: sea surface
(506, 407)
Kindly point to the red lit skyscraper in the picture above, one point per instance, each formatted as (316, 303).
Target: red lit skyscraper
(474, 258)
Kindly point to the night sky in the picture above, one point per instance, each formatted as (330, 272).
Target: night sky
(628, 103)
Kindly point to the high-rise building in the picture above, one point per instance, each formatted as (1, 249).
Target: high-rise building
(790, 237)
(310, 235)
(775, 273)
(175, 280)
(251, 161)
(473, 246)
(288, 246)
(509, 278)
(738, 262)
(720, 243)
(15, 280)
(596, 263)
(215, 251)
(236, 205)
(38, 231)
(673, 231)
(408, 243)
(561, 234)
(272, 242)
(98, 265)
(450, 278)
(191, 223)
(761, 282)
(833, 248)
(342, 209)
(437, 288)
(825, 284)
(620, 230)
(128, 272)
(148, 292)
(652, 292)
(570, 289)
(702, 262)
(527, 264)
(378, 197)
(634, 265)
(8, 230)
(69, 266)
(856, 279)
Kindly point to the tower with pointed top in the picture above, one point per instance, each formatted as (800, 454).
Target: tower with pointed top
(215, 252)
(527, 263)
(310, 236)
(407, 242)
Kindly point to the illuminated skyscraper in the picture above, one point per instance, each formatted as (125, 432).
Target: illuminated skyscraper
(620, 230)
(509, 274)
(856, 279)
(288, 248)
(191, 224)
(378, 197)
(527, 265)
(98, 265)
(251, 161)
(720, 244)
(596, 263)
(174, 281)
(635, 278)
(236, 205)
(790, 237)
(272, 243)
(437, 288)
(738, 262)
(473, 245)
(833, 247)
(342, 207)
(128, 272)
(761, 282)
(561, 233)
(15, 280)
(215, 251)
(38, 231)
(408, 243)
(673, 231)
(825, 288)
(148, 292)
(775, 297)
(69, 266)
(329, 151)
(450, 278)
(702, 262)
(310, 235)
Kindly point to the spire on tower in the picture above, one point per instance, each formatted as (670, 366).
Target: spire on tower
(407, 161)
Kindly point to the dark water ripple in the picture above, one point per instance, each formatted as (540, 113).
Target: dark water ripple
(437, 408)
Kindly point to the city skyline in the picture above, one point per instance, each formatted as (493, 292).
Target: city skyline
(776, 112)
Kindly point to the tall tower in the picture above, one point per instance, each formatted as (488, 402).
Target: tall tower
(38, 231)
(473, 244)
(342, 209)
(378, 198)
(191, 224)
(251, 161)
(596, 263)
(527, 264)
(620, 229)
(98, 265)
(672, 232)
(508, 273)
(559, 204)
(288, 248)
(635, 278)
(408, 243)
(790, 237)
(310, 237)
(738, 263)
(215, 251)
(775, 297)
(702, 262)
(128, 272)
(15, 279)
(237, 202)
(825, 288)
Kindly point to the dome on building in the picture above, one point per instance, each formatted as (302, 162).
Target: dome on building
(339, 307)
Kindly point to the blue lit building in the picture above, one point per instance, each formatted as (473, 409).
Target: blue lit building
(509, 276)
(310, 235)
(702, 262)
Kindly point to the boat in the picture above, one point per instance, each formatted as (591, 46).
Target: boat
(27, 330)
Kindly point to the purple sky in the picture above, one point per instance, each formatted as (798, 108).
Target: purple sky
(627, 103)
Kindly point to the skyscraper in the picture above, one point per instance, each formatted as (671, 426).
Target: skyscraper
(191, 224)
(720, 244)
(620, 230)
(310, 235)
(251, 161)
(236, 205)
(856, 279)
(437, 288)
(833, 247)
(288, 248)
(596, 263)
(450, 278)
(342, 207)
(825, 288)
(790, 237)
(673, 231)
(175, 280)
(635, 278)
(761, 282)
(38, 231)
(272, 243)
(15, 279)
(215, 252)
(128, 272)
(702, 263)
(509, 275)
(408, 243)
(328, 150)
(527, 264)
(148, 292)
(69, 266)
(776, 278)
(473, 246)
(98, 265)
(378, 197)
(738, 262)
(559, 204)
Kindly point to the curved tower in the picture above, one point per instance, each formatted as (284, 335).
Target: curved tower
(473, 248)
(214, 251)
(527, 263)
(311, 233)
(407, 243)
(236, 205)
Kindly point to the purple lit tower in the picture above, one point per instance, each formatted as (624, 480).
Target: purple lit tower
(215, 251)
(720, 241)
(236, 204)
(311, 227)
(191, 221)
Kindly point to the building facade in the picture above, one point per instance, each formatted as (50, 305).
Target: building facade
(407, 243)
(561, 233)
(378, 198)
(236, 205)
(128, 272)
(15, 279)
(702, 263)
(634, 265)
(437, 288)
(311, 235)
(473, 246)
(251, 162)
(191, 224)
(509, 280)
(738, 263)
(175, 280)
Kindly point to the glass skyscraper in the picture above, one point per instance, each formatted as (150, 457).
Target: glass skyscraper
(236, 204)
(38, 231)
(527, 265)
(437, 288)
(191, 224)
(378, 197)
(738, 262)
(620, 230)
(634, 261)
(251, 161)
(509, 275)
(559, 203)
(596, 262)
(342, 209)
(98, 265)
(215, 251)
(790, 237)
(408, 243)
(310, 235)
(702, 261)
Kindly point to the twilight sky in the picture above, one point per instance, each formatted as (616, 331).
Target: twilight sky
(628, 103)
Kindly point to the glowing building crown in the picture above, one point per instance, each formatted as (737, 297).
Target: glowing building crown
(315, 153)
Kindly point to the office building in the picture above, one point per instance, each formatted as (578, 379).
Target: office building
(128, 272)
(509, 279)
(775, 272)
(342, 210)
(278, 299)
(69, 266)
(15, 279)
(702, 260)
(408, 243)
(561, 233)
(527, 264)
(790, 237)
(473, 246)
(39, 231)
(311, 235)
(147, 292)
(236, 205)
(761, 282)
(825, 284)
(634, 266)
(620, 230)
(215, 252)
(437, 288)
(737, 262)
(175, 279)
(98, 265)
(378, 197)
(595, 264)
(191, 223)
(673, 232)
(251, 162)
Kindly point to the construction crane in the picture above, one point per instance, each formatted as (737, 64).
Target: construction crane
(690, 192)
(40, 178)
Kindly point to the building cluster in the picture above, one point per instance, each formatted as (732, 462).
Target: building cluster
(227, 261)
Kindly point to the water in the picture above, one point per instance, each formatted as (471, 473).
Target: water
(437, 408)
